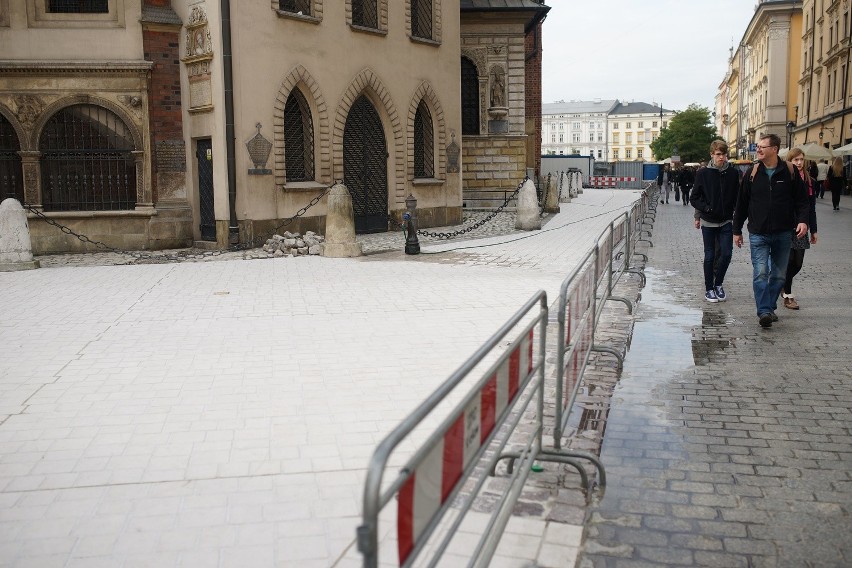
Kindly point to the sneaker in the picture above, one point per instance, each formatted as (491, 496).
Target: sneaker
(765, 320)
(774, 316)
(720, 293)
(791, 303)
(710, 296)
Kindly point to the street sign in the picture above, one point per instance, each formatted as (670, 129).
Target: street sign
(675, 158)
(752, 147)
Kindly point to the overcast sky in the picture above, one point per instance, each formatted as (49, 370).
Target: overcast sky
(670, 51)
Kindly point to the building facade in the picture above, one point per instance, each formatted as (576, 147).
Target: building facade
(205, 123)
(823, 111)
(575, 128)
(763, 71)
(632, 127)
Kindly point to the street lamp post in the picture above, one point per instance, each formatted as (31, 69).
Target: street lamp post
(790, 126)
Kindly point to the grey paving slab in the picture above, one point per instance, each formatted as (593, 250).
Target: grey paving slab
(754, 468)
(202, 413)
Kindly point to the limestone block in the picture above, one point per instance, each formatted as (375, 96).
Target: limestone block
(16, 250)
(340, 225)
(528, 214)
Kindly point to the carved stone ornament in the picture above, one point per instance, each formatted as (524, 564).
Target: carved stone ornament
(133, 103)
(27, 109)
(498, 87)
(198, 39)
(259, 149)
(453, 155)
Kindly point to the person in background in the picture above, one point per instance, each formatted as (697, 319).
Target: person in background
(800, 244)
(774, 200)
(664, 179)
(687, 178)
(822, 175)
(714, 196)
(836, 181)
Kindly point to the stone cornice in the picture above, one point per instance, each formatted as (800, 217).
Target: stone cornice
(89, 67)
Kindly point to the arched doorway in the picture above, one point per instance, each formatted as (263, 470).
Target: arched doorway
(365, 167)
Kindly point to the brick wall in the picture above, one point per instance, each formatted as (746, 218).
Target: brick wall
(162, 47)
(532, 46)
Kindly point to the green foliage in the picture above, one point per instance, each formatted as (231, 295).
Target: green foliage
(690, 131)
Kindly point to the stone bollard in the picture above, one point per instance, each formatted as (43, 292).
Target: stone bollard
(16, 250)
(551, 196)
(528, 218)
(578, 183)
(564, 187)
(340, 225)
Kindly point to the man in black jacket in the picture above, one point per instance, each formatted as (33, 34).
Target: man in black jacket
(775, 201)
(714, 196)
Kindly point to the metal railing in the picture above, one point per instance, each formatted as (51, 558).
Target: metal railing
(432, 479)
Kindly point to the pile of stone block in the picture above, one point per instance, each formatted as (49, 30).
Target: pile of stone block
(294, 244)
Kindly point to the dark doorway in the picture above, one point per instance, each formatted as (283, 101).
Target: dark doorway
(365, 167)
(204, 155)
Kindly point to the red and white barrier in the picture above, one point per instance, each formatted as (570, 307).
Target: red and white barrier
(435, 477)
(608, 181)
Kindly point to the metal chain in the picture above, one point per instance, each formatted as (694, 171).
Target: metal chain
(476, 225)
(176, 256)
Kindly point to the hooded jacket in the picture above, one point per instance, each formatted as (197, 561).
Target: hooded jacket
(771, 206)
(714, 194)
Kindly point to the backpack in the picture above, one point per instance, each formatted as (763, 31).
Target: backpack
(754, 170)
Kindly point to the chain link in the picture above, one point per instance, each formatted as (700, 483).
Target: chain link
(476, 225)
(179, 255)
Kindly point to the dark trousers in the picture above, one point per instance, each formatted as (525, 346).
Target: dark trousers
(835, 198)
(794, 265)
(718, 246)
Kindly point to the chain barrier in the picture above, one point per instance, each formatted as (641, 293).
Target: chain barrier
(479, 223)
(179, 255)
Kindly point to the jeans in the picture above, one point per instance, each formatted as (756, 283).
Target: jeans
(718, 245)
(769, 256)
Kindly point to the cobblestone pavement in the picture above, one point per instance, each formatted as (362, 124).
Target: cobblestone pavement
(727, 444)
(502, 223)
(206, 413)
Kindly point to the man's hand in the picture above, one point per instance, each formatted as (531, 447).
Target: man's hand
(813, 238)
(738, 240)
(698, 223)
(801, 230)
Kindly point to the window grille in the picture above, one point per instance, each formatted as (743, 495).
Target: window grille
(86, 161)
(424, 155)
(470, 97)
(298, 138)
(11, 172)
(78, 6)
(365, 13)
(295, 6)
(421, 18)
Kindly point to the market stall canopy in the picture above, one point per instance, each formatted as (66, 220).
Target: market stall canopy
(843, 150)
(814, 151)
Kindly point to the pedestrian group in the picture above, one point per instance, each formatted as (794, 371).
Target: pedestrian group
(775, 199)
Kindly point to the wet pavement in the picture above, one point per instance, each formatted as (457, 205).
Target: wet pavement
(727, 444)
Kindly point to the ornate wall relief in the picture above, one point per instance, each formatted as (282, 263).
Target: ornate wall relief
(199, 54)
(27, 109)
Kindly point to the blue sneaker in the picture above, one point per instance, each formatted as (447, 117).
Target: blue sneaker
(720, 294)
(710, 296)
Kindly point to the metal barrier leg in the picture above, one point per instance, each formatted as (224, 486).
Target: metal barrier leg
(545, 455)
(611, 351)
(638, 271)
(627, 302)
(567, 457)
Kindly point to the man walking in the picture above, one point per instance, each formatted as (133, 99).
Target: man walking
(714, 196)
(774, 200)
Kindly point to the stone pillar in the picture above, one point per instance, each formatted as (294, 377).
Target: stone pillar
(551, 195)
(32, 178)
(340, 225)
(143, 194)
(16, 250)
(528, 215)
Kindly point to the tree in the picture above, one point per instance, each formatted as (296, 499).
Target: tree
(690, 131)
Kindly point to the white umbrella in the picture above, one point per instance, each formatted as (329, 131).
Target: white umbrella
(814, 151)
(843, 150)
(782, 153)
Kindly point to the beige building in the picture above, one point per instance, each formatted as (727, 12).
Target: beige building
(203, 125)
(632, 127)
(762, 74)
(824, 90)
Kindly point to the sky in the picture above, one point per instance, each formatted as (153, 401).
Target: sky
(673, 52)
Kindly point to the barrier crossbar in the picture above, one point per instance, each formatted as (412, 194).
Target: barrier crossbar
(431, 480)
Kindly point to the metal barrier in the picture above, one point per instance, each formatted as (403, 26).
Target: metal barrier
(611, 181)
(432, 478)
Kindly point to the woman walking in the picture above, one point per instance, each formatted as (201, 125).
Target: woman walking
(664, 181)
(799, 245)
(836, 181)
